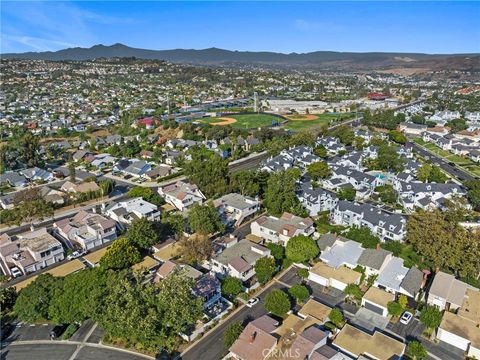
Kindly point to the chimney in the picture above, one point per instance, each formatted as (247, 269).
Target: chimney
(252, 337)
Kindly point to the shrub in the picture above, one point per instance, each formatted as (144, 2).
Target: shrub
(336, 317)
(277, 303)
(231, 334)
(69, 331)
(394, 308)
(299, 292)
(303, 273)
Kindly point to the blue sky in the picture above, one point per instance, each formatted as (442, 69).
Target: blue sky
(431, 27)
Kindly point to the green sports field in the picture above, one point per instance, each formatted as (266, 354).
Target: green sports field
(301, 125)
(246, 121)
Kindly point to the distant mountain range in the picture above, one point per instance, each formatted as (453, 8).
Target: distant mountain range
(319, 59)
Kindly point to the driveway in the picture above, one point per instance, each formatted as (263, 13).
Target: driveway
(290, 277)
(328, 296)
(369, 320)
(413, 330)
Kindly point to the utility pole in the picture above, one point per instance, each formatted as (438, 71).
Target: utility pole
(255, 102)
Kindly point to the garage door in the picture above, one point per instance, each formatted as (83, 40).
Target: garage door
(374, 308)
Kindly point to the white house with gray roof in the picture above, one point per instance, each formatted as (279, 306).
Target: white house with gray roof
(427, 195)
(128, 210)
(238, 260)
(234, 208)
(280, 230)
(387, 226)
(316, 199)
(397, 279)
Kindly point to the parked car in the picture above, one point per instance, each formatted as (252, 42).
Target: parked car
(57, 331)
(76, 254)
(16, 272)
(406, 318)
(252, 302)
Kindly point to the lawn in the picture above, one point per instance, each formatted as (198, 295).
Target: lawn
(300, 125)
(247, 121)
(464, 163)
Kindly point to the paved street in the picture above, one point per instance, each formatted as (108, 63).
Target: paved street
(413, 330)
(211, 346)
(444, 165)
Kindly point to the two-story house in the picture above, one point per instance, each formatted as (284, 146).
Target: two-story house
(280, 230)
(128, 210)
(234, 208)
(182, 195)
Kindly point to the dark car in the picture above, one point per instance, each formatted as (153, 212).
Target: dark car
(57, 331)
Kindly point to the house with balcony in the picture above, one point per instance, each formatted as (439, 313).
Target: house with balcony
(234, 208)
(30, 251)
(182, 195)
(238, 260)
(128, 210)
(387, 226)
(87, 229)
(316, 199)
(280, 230)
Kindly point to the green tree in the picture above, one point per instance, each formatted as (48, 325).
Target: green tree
(457, 125)
(394, 308)
(107, 186)
(146, 194)
(72, 171)
(301, 249)
(336, 317)
(387, 193)
(347, 193)
(231, 286)
(403, 301)
(245, 183)
(397, 136)
(73, 302)
(8, 295)
(437, 175)
(321, 151)
(210, 174)
(303, 273)
(389, 159)
(264, 269)
(319, 170)
(195, 249)
(345, 134)
(473, 193)
(277, 303)
(364, 236)
(204, 219)
(353, 292)
(33, 301)
(423, 173)
(299, 292)
(431, 317)
(277, 251)
(280, 193)
(231, 334)
(142, 233)
(120, 255)
(416, 351)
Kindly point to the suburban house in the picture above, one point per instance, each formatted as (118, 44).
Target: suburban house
(234, 208)
(412, 128)
(158, 171)
(13, 179)
(425, 195)
(128, 210)
(311, 343)
(280, 230)
(208, 289)
(374, 261)
(82, 188)
(446, 292)
(397, 279)
(137, 168)
(30, 251)
(256, 341)
(387, 226)
(238, 260)
(356, 343)
(342, 253)
(328, 276)
(87, 229)
(377, 300)
(277, 163)
(462, 329)
(316, 199)
(182, 195)
(35, 173)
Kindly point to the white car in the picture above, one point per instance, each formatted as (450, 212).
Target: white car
(16, 272)
(406, 317)
(252, 302)
(76, 254)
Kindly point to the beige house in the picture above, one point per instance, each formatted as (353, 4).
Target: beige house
(30, 251)
(338, 278)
